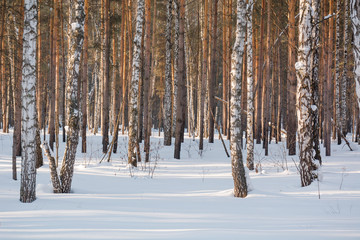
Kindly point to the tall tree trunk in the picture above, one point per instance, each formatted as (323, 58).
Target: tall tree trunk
(260, 78)
(291, 124)
(167, 96)
(303, 72)
(344, 85)
(84, 80)
(355, 20)
(29, 119)
(51, 85)
(337, 109)
(181, 94)
(250, 89)
(147, 77)
(17, 87)
(57, 76)
(204, 74)
(76, 36)
(106, 81)
(134, 86)
(266, 84)
(238, 171)
(212, 78)
(314, 68)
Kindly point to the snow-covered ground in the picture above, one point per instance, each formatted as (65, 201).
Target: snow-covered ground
(189, 198)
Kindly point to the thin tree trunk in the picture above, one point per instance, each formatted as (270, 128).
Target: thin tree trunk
(167, 96)
(291, 124)
(181, 94)
(250, 89)
(84, 80)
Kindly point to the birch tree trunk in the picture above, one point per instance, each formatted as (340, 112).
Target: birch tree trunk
(76, 36)
(303, 73)
(134, 85)
(250, 89)
(238, 171)
(314, 68)
(29, 114)
(355, 20)
(167, 96)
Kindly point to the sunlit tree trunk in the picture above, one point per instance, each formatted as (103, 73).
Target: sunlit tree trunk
(167, 96)
(238, 171)
(355, 20)
(250, 89)
(291, 122)
(303, 73)
(29, 119)
(76, 36)
(134, 85)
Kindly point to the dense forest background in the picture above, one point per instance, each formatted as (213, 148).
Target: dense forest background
(182, 52)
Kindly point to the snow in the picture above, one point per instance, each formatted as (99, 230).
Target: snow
(189, 198)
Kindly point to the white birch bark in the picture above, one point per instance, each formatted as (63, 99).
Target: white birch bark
(76, 38)
(134, 85)
(238, 171)
(314, 67)
(250, 89)
(29, 114)
(303, 95)
(167, 96)
(355, 21)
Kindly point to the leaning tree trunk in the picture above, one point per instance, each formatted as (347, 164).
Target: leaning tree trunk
(250, 89)
(167, 96)
(238, 171)
(76, 37)
(134, 85)
(355, 20)
(303, 73)
(29, 114)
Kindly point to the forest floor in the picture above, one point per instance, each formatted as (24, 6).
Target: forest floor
(189, 198)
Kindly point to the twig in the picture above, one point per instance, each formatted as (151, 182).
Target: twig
(218, 128)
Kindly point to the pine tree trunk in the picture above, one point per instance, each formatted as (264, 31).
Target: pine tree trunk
(291, 124)
(266, 85)
(250, 89)
(29, 119)
(181, 94)
(212, 78)
(76, 36)
(106, 78)
(337, 109)
(17, 87)
(167, 96)
(84, 80)
(147, 77)
(134, 86)
(355, 20)
(57, 76)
